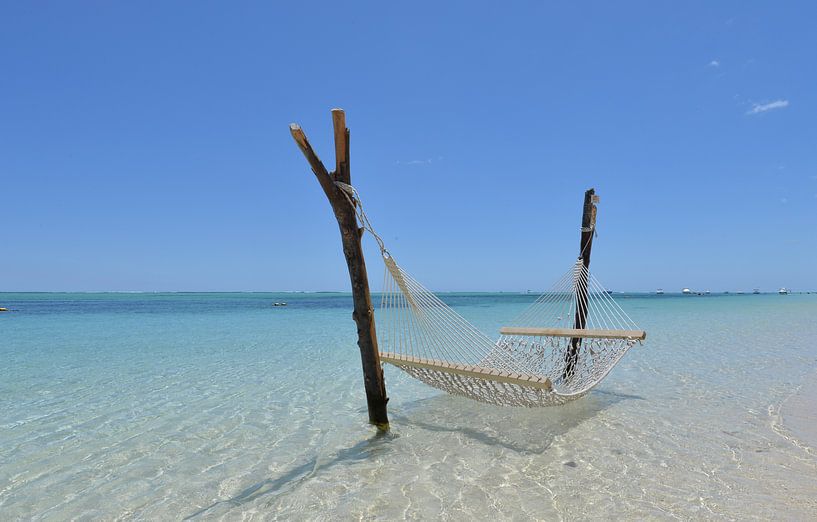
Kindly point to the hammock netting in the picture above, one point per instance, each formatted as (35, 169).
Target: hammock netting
(541, 361)
(556, 350)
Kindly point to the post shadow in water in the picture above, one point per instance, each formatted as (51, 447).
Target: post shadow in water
(299, 474)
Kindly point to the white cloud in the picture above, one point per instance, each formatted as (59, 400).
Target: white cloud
(428, 161)
(714, 63)
(415, 162)
(757, 108)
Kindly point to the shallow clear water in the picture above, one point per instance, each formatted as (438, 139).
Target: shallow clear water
(167, 406)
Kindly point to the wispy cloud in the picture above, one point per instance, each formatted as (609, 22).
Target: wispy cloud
(784, 200)
(415, 162)
(714, 63)
(428, 161)
(757, 108)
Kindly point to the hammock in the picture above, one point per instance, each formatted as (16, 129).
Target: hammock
(556, 350)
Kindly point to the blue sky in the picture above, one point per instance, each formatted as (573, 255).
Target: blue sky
(145, 145)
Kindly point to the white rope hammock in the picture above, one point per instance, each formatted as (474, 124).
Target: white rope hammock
(556, 350)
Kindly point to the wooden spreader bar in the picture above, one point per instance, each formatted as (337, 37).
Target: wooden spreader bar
(575, 333)
(478, 372)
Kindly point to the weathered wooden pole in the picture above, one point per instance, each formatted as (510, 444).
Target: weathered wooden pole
(585, 246)
(350, 235)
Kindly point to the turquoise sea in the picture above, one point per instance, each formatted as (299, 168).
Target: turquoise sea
(220, 406)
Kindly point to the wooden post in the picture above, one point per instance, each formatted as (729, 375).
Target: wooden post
(350, 236)
(585, 246)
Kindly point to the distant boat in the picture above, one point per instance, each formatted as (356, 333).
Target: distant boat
(686, 291)
(783, 291)
(279, 304)
(756, 291)
(707, 292)
(660, 291)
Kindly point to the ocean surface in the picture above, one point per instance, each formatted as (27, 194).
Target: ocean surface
(221, 406)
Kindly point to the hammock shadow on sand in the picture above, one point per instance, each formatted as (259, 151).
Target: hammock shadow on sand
(510, 428)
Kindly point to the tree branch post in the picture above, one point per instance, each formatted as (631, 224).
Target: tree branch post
(585, 246)
(350, 234)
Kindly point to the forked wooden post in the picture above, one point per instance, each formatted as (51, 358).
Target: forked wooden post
(350, 236)
(585, 246)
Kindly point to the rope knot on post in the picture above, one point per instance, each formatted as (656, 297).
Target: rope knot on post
(353, 197)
